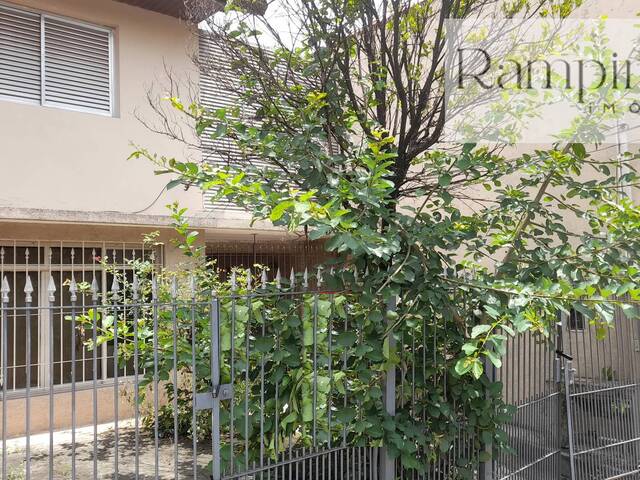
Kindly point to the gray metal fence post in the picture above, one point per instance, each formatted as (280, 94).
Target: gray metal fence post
(28, 298)
(485, 469)
(388, 464)
(4, 313)
(215, 383)
(566, 373)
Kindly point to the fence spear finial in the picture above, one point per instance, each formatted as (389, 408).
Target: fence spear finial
(28, 289)
(234, 281)
(278, 280)
(319, 276)
(115, 285)
(292, 279)
(135, 286)
(305, 278)
(263, 279)
(5, 290)
(73, 288)
(94, 289)
(51, 289)
(174, 287)
(249, 277)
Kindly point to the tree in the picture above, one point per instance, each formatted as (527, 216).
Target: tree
(347, 123)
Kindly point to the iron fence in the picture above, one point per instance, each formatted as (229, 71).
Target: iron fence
(205, 376)
(258, 382)
(530, 383)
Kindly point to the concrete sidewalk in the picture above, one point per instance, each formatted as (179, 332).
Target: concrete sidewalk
(105, 455)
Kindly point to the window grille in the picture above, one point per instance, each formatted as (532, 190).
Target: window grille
(275, 256)
(55, 61)
(60, 260)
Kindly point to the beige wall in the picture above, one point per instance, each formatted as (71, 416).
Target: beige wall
(62, 411)
(60, 159)
(614, 9)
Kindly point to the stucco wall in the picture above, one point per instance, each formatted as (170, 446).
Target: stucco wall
(59, 159)
(615, 9)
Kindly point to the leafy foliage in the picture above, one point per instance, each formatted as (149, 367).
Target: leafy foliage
(475, 246)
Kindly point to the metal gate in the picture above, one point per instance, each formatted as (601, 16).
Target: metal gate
(535, 395)
(603, 399)
(577, 403)
(251, 399)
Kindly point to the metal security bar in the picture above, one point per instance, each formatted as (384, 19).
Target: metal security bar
(287, 384)
(577, 400)
(275, 256)
(38, 261)
(420, 353)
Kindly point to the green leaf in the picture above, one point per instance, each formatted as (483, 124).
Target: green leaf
(463, 366)
(345, 415)
(579, 150)
(279, 210)
(629, 310)
(477, 369)
(492, 312)
(263, 344)
(469, 348)
(495, 359)
(508, 329)
(346, 339)
(444, 180)
(479, 330)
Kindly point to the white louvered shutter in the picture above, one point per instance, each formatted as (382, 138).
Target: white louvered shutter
(77, 65)
(19, 54)
(214, 95)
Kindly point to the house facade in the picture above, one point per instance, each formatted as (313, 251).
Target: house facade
(79, 83)
(79, 80)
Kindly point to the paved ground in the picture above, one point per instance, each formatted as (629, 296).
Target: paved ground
(105, 454)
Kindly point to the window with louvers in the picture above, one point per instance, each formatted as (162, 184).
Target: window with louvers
(54, 61)
(218, 89)
(77, 70)
(20, 54)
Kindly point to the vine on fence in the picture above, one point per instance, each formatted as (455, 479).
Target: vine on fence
(348, 328)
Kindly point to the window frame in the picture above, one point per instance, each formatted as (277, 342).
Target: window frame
(579, 323)
(43, 60)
